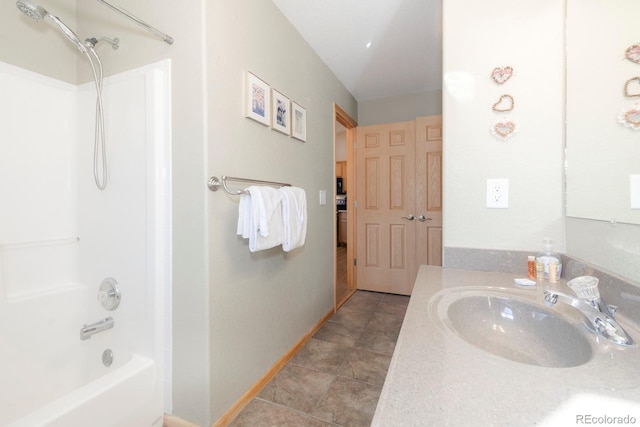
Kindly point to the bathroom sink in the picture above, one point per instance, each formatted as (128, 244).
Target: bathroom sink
(512, 324)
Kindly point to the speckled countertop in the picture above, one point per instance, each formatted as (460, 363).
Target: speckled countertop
(438, 379)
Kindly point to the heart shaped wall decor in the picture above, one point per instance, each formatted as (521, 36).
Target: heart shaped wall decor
(632, 88)
(630, 117)
(504, 104)
(633, 53)
(500, 75)
(503, 129)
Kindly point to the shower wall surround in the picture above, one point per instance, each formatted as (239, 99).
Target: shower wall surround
(60, 237)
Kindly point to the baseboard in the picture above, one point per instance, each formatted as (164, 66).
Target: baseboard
(171, 421)
(244, 400)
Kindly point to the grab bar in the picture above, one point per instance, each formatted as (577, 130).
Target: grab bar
(102, 325)
(214, 183)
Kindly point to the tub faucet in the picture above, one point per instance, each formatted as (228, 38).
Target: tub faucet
(599, 315)
(102, 325)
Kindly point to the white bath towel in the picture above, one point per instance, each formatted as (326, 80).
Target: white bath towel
(294, 216)
(266, 229)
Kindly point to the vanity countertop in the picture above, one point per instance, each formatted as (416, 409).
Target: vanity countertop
(437, 379)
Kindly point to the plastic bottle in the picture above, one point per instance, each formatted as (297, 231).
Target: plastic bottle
(546, 257)
(553, 271)
(531, 267)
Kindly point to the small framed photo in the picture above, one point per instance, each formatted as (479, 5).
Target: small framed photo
(258, 100)
(281, 112)
(298, 122)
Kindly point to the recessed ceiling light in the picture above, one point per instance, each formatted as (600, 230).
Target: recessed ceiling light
(368, 45)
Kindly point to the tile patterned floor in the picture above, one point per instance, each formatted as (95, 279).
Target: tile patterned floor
(336, 378)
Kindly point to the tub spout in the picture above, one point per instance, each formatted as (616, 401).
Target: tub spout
(102, 325)
(599, 315)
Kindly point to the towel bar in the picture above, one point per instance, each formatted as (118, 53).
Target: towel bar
(214, 183)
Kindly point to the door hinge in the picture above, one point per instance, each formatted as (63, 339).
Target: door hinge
(355, 204)
(355, 261)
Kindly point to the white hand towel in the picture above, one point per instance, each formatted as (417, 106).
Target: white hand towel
(294, 216)
(266, 228)
(244, 216)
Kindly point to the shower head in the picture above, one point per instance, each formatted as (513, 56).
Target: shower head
(33, 11)
(38, 13)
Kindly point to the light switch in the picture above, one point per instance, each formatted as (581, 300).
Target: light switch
(323, 197)
(634, 186)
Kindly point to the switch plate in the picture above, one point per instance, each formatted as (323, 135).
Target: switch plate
(323, 197)
(634, 186)
(497, 193)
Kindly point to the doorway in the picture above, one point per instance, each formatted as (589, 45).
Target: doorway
(399, 188)
(345, 273)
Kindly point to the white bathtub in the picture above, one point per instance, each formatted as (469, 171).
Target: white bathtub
(120, 398)
(53, 378)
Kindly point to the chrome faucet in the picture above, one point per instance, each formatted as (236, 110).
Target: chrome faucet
(102, 325)
(599, 314)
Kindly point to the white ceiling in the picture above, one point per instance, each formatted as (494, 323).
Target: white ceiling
(405, 56)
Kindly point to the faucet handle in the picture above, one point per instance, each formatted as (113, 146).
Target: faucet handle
(585, 287)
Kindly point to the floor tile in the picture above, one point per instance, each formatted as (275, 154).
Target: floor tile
(349, 403)
(396, 299)
(339, 333)
(297, 387)
(381, 333)
(321, 355)
(366, 366)
(362, 302)
(392, 308)
(381, 321)
(259, 413)
(353, 317)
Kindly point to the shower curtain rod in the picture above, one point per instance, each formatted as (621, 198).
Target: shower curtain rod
(168, 39)
(214, 184)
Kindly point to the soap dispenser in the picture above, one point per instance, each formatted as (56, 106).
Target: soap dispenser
(548, 258)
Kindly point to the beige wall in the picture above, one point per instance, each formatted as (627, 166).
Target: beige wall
(399, 108)
(39, 46)
(529, 37)
(262, 303)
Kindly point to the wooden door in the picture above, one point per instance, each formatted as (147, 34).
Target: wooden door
(386, 230)
(429, 190)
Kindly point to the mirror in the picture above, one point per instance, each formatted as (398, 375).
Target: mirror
(603, 110)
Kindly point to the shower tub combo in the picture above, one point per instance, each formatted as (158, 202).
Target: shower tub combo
(61, 238)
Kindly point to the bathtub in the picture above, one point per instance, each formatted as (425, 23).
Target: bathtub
(104, 402)
(57, 379)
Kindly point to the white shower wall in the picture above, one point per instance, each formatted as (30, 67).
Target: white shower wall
(39, 195)
(59, 234)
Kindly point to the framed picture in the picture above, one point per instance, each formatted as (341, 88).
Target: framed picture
(258, 100)
(298, 122)
(281, 112)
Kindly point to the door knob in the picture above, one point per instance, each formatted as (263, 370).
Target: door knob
(410, 217)
(421, 218)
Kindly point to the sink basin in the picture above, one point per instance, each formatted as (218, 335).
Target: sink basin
(512, 325)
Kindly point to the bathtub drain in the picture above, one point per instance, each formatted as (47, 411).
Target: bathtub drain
(107, 357)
